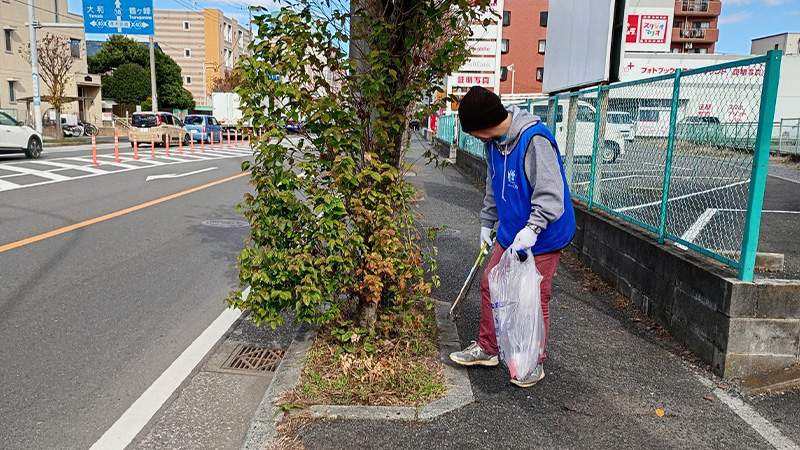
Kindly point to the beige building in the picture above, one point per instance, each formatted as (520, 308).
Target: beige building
(16, 86)
(201, 42)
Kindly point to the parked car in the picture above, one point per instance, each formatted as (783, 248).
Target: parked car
(160, 127)
(16, 137)
(623, 121)
(293, 126)
(701, 130)
(203, 127)
(612, 146)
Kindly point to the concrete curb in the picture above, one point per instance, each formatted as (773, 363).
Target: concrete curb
(263, 428)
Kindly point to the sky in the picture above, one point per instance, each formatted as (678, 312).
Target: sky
(740, 21)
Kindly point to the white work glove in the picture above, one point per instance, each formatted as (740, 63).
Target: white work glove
(525, 239)
(486, 237)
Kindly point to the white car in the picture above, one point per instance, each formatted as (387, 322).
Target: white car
(16, 137)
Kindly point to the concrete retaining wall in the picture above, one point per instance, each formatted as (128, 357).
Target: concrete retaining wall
(742, 330)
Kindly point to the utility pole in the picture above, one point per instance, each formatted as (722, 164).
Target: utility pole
(153, 93)
(37, 101)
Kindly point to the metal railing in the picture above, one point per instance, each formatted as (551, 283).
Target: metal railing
(694, 5)
(683, 156)
(693, 33)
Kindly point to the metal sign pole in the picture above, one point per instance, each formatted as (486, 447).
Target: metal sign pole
(153, 93)
(37, 101)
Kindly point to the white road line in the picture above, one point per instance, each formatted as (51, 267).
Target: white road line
(691, 234)
(125, 429)
(629, 208)
(61, 166)
(177, 175)
(38, 173)
(784, 179)
(7, 185)
(756, 421)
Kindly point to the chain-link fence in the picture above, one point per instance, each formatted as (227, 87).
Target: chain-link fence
(682, 155)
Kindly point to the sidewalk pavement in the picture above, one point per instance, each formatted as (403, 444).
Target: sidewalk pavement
(608, 369)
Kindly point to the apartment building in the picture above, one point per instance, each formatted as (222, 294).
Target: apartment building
(16, 85)
(788, 43)
(523, 45)
(694, 27)
(204, 43)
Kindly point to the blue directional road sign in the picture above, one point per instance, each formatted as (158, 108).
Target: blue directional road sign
(118, 16)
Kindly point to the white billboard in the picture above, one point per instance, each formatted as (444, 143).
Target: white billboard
(479, 65)
(483, 48)
(648, 29)
(578, 44)
(460, 79)
(483, 32)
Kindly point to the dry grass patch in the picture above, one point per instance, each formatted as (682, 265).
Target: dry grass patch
(404, 370)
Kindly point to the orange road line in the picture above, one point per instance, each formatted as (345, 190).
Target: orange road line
(112, 215)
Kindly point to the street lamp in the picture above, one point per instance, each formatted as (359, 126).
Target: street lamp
(205, 85)
(513, 72)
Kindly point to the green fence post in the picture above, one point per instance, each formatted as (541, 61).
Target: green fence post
(594, 145)
(530, 108)
(553, 119)
(758, 176)
(673, 119)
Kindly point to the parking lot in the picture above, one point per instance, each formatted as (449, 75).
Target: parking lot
(708, 196)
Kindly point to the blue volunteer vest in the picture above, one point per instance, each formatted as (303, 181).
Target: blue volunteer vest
(514, 202)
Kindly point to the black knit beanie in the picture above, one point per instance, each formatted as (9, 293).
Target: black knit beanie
(480, 109)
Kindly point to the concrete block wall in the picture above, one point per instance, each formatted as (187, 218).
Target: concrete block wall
(742, 330)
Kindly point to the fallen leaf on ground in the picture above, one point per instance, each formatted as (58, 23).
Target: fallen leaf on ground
(660, 412)
(708, 397)
(565, 307)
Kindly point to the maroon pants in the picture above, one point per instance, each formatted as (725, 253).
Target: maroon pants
(546, 264)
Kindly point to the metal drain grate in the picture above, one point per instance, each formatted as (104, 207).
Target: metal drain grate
(254, 359)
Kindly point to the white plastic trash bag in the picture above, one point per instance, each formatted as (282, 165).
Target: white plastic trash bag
(517, 309)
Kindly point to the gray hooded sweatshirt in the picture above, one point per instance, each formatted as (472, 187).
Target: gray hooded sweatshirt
(542, 170)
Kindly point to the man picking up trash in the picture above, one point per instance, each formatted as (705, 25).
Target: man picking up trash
(526, 196)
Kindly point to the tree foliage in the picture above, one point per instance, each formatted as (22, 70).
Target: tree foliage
(55, 69)
(119, 50)
(228, 82)
(333, 232)
(128, 85)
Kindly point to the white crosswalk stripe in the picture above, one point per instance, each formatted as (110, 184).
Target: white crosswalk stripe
(27, 173)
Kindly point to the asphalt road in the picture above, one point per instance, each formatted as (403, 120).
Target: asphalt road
(91, 317)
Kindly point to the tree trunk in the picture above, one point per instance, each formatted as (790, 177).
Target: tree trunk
(59, 130)
(367, 314)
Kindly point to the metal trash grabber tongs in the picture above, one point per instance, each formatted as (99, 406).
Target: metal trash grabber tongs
(485, 248)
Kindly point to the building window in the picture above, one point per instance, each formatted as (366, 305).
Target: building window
(542, 46)
(187, 80)
(676, 49)
(503, 73)
(677, 24)
(12, 93)
(700, 25)
(506, 18)
(504, 46)
(75, 48)
(539, 73)
(7, 34)
(543, 18)
(776, 47)
(187, 53)
(186, 26)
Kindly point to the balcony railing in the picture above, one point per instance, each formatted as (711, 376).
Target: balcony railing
(693, 33)
(698, 7)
